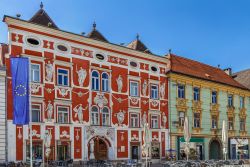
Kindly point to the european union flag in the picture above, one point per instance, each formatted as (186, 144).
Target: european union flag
(20, 90)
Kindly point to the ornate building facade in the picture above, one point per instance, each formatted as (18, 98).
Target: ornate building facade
(207, 96)
(86, 92)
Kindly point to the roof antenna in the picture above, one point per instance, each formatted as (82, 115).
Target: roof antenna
(41, 5)
(94, 25)
(137, 36)
(18, 15)
(169, 51)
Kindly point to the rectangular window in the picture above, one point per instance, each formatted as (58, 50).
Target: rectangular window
(63, 115)
(214, 122)
(181, 118)
(230, 100)
(62, 77)
(214, 97)
(181, 91)
(242, 124)
(196, 120)
(134, 90)
(242, 102)
(36, 113)
(196, 94)
(154, 121)
(35, 73)
(154, 92)
(230, 123)
(134, 120)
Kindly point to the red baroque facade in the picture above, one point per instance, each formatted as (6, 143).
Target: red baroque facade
(84, 90)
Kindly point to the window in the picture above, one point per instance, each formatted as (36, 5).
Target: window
(196, 94)
(105, 82)
(230, 100)
(63, 115)
(105, 116)
(32, 41)
(62, 77)
(95, 80)
(154, 121)
(134, 88)
(62, 48)
(154, 92)
(36, 113)
(242, 124)
(242, 101)
(134, 120)
(154, 69)
(94, 116)
(230, 123)
(35, 73)
(214, 122)
(181, 118)
(196, 120)
(214, 97)
(181, 91)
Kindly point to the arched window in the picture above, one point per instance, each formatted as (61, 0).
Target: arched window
(105, 116)
(95, 80)
(94, 116)
(105, 82)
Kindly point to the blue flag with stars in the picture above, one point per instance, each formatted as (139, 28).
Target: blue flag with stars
(20, 90)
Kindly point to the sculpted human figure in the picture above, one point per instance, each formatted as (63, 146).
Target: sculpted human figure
(144, 88)
(81, 76)
(49, 71)
(164, 119)
(79, 112)
(49, 111)
(144, 119)
(119, 83)
(162, 90)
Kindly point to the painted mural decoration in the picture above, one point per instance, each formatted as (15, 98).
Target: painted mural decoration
(163, 90)
(100, 100)
(47, 143)
(82, 73)
(120, 117)
(49, 110)
(79, 112)
(49, 71)
(164, 120)
(144, 88)
(100, 131)
(144, 119)
(119, 82)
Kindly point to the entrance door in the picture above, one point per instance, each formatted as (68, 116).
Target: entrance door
(100, 149)
(135, 152)
(214, 150)
(63, 151)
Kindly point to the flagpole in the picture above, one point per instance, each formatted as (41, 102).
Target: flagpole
(30, 115)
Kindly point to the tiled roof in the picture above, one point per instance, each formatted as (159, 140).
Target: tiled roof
(199, 70)
(138, 45)
(42, 18)
(243, 77)
(95, 34)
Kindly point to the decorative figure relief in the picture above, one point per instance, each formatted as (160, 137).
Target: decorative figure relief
(100, 131)
(49, 90)
(144, 119)
(162, 90)
(16, 37)
(79, 112)
(34, 88)
(49, 71)
(47, 143)
(134, 137)
(119, 83)
(49, 111)
(145, 102)
(144, 88)
(134, 101)
(63, 91)
(64, 134)
(122, 136)
(164, 120)
(100, 100)
(34, 133)
(155, 138)
(154, 103)
(92, 145)
(77, 134)
(19, 136)
(120, 117)
(81, 76)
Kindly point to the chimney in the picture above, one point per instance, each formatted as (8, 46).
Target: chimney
(228, 71)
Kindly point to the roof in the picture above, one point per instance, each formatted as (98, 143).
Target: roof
(243, 77)
(200, 70)
(42, 18)
(138, 45)
(95, 34)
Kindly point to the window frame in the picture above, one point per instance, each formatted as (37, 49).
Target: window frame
(134, 120)
(214, 97)
(96, 122)
(197, 120)
(181, 92)
(154, 121)
(32, 72)
(63, 76)
(131, 88)
(105, 115)
(39, 114)
(63, 112)
(230, 121)
(181, 119)
(196, 95)
(214, 121)
(105, 82)
(244, 124)
(230, 100)
(95, 80)
(242, 102)
(154, 92)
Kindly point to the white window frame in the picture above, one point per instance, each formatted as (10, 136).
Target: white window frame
(105, 83)
(38, 110)
(32, 72)
(95, 115)
(63, 114)
(181, 91)
(63, 76)
(134, 120)
(105, 117)
(155, 121)
(95, 80)
(196, 94)
(134, 89)
(154, 91)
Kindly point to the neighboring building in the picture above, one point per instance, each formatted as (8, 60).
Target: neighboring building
(87, 91)
(243, 77)
(207, 96)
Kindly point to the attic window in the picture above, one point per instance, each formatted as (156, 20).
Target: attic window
(154, 69)
(33, 41)
(99, 56)
(62, 48)
(133, 64)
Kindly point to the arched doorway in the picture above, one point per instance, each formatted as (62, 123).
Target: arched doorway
(215, 149)
(100, 148)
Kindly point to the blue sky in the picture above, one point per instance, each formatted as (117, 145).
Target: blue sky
(211, 31)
